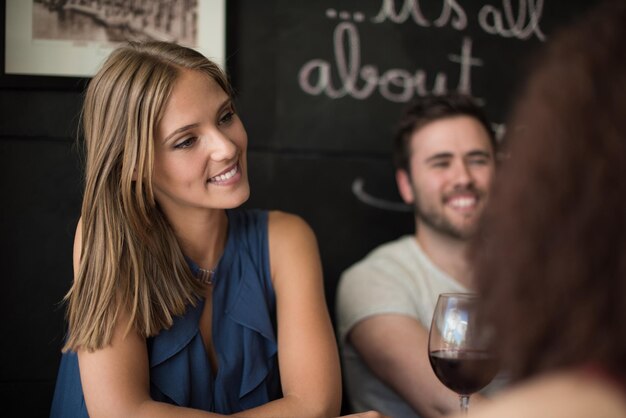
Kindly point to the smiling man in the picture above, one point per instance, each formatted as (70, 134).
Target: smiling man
(444, 153)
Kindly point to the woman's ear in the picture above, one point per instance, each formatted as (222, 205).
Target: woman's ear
(405, 187)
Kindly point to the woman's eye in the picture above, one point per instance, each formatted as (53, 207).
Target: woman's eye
(186, 143)
(227, 117)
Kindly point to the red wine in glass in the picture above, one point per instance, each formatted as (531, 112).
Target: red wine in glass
(459, 346)
(464, 372)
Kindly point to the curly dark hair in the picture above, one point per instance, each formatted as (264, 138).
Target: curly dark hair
(550, 254)
(426, 109)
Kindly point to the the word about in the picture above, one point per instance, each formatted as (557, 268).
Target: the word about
(361, 81)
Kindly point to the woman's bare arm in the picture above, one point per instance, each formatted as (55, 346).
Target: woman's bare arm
(307, 352)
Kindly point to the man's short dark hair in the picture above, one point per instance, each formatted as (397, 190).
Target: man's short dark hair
(431, 108)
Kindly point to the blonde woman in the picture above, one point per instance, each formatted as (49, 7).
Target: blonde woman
(182, 305)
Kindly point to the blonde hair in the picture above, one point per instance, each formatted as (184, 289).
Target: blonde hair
(130, 258)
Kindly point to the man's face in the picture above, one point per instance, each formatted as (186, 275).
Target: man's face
(452, 166)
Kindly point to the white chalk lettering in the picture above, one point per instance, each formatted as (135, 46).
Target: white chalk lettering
(460, 20)
(348, 64)
(522, 27)
(451, 13)
(358, 189)
(360, 82)
(467, 61)
(410, 8)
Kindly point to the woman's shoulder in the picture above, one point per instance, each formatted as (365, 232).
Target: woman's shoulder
(566, 394)
(284, 226)
(279, 217)
(275, 219)
(274, 234)
(292, 247)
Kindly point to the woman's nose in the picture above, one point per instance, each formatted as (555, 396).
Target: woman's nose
(221, 147)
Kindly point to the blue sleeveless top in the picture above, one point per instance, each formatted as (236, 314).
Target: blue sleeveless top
(244, 320)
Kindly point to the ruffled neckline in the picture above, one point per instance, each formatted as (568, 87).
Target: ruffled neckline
(241, 299)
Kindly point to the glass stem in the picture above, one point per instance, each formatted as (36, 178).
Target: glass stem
(464, 404)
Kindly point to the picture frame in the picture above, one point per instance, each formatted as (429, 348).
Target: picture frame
(30, 63)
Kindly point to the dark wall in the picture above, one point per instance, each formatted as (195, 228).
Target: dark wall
(322, 83)
(306, 149)
(40, 186)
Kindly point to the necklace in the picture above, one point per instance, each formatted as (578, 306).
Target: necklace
(205, 276)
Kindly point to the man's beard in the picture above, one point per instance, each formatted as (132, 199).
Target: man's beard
(438, 221)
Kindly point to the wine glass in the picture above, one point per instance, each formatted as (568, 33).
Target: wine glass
(459, 347)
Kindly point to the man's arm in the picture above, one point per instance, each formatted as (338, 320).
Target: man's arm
(395, 348)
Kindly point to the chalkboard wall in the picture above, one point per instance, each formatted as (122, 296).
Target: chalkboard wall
(320, 85)
(332, 76)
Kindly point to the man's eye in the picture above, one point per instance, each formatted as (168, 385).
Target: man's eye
(440, 164)
(186, 143)
(478, 161)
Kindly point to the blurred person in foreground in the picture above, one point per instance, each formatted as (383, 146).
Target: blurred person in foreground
(444, 153)
(551, 254)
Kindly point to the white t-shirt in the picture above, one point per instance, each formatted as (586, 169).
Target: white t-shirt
(395, 278)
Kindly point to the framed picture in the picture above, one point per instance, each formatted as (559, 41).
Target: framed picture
(61, 43)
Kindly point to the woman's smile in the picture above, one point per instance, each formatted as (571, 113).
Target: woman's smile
(227, 177)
